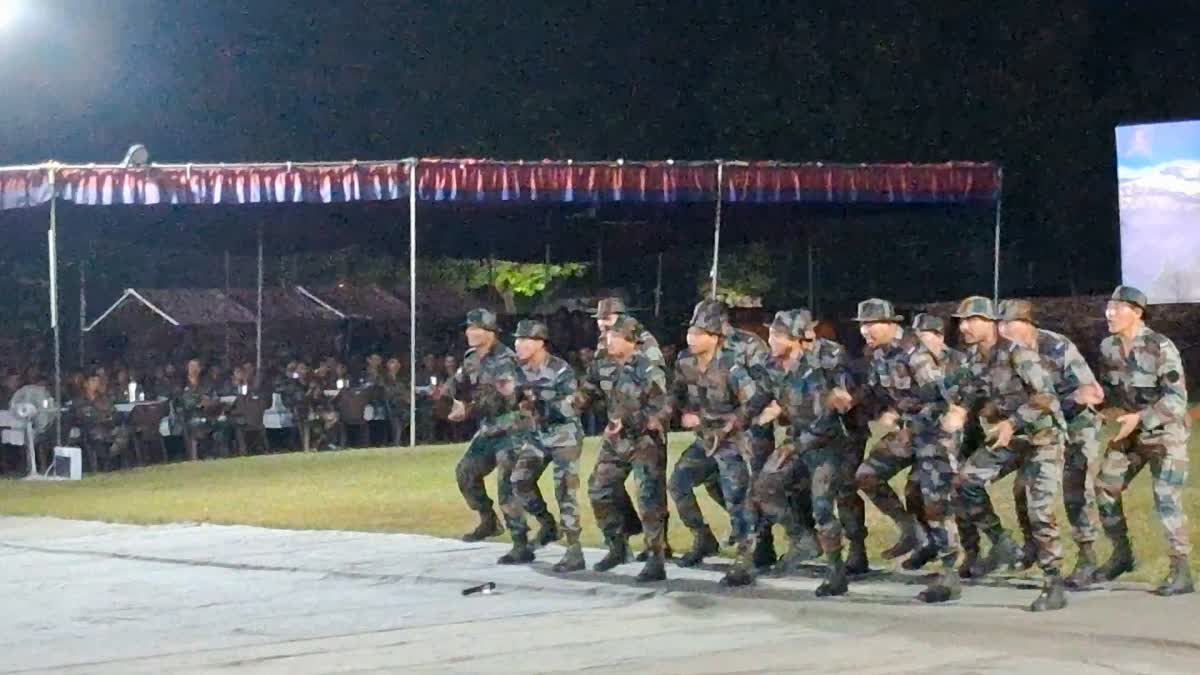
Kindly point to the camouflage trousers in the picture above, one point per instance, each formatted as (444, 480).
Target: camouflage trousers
(519, 468)
(891, 455)
(762, 444)
(729, 466)
(1079, 485)
(477, 462)
(773, 495)
(1041, 473)
(565, 463)
(852, 510)
(646, 458)
(1167, 457)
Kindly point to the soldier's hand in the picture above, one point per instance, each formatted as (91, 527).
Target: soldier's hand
(769, 414)
(458, 411)
(841, 400)
(1002, 434)
(689, 420)
(889, 420)
(580, 401)
(955, 419)
(1128, 422)
(613, 430)
(653, 425)
(1089, 394)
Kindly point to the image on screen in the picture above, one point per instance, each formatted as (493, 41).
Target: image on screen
(1158, 181)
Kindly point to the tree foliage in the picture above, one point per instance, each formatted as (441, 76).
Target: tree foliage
(744, 277)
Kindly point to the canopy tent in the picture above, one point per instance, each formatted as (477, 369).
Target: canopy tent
(464, 181)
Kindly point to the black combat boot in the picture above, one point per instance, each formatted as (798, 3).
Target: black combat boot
(1179, 580)
(489, 526)
(653, 570)
(572, 560)
(704, 544)
(945, 587)
(1004, 553)
(921, 558)
(1120, 562)
(1028, 557)
(764, 550)
(1085, 568)
(521, 552)
(548, 532)
(742, 572)
(794, 558)
(618, 554)
(856, 562)
(1053, 595)
(912, 538)
(835, 578)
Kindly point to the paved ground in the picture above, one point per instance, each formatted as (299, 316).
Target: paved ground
(90, 597)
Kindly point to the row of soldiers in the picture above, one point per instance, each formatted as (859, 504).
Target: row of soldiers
(1018, 399)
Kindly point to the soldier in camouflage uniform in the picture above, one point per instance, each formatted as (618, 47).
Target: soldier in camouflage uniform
(1026, 431)
(716, 396)
(1078, 393)
(895, 393)
(548, 391)
(634, 442)
(1143, 379)
(608, 310)
(485, 386)
(201, 407)
(805, 396)
(104, 440)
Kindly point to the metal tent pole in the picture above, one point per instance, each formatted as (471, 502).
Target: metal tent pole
(82, 310)
(412, 303)
(996, 243)
(658, 288)
(52, 239)
(717, 228)
(228, 359)
(812, 288)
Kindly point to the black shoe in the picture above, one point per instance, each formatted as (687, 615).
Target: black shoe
(856, 562)
(520, 553)
(654, 570)
(618, 554)
(1028, 558)
(921, 558)
(489, 526)
(644, 554)
(764, 552)
(741, 574)
(945, 588)
(1052, 597)
(1179, 580)
(1085, 569)
(572, 561)
(704, 544)
(969, 564)
(835, 579)
(548, 533)
(1120, 562)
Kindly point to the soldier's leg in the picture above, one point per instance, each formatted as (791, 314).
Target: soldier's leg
(1079, 482)
(605, 486)
(1169, 473)
(985, 467)
(1029, 548)
(1121, 465)
(851, 508)
(651, 475)
(519, 467)
(771, 495)
(476, 463)
(893, 454)
(693, 468)
(936, 469)
(735, 485)
(1041, 473)
(566, 489)
(968, 534)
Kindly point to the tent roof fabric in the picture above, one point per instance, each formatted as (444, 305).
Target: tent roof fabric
(480, 180)
(182, 306)
(359, 302)
(283, 304)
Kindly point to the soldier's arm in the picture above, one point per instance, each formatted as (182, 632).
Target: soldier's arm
(589, 387)
(507, 378)
(1040, 401)
(679, 393)
(656, 401)
(928, 378)
(746, 391)
(1076, 373)
(1171, 406)
(561, 407)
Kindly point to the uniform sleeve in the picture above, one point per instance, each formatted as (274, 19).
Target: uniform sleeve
(1112, 394)
(649, 348)
(561, 406)
(656, 402)
(928, 378)
(460, 384)
(589, 386)
(679, 392)
(1076, 373)
(1039, 407)
(746, 390)
(1171, 406)
(837, 369)
(507, 374)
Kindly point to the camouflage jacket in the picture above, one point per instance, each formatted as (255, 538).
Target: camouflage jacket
(1068, 369)
(802, 390)
(191, 400)
(553, 387)
(647, 346)
(904, 377)
(603, 366)
(722, 393)
(635, 392)
(291, 391)
(488, 384)
(751, 350)
(1011, 384)
(92, 413)
(1149, 381)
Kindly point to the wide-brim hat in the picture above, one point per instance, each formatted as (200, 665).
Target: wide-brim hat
(1017, 310)
(1131, 295)
(976, 305)
(797, 323)
(874, 310)
(482, 318)
(531, 329)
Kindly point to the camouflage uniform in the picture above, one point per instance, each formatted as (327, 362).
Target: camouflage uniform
(551, 391)
(907, 378)
(637, 398)
(1148, 381)
(487, 383)
(721, 395)
(1015, 387)
(1069, 371)
(205, 421)
(103, 438)
(815, 448)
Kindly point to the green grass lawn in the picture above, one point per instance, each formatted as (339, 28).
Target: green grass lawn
(398, 490)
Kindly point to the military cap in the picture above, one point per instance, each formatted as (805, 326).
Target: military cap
(627, 327)
(928, 322)
(798, 323)
(976, 305)
(709, 316)
(873, 310)
(535, 330)
(1017, 310)
(482, 318)
(608, 306)
(1131, 295)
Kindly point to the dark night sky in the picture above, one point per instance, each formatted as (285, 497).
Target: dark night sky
(1038, 88)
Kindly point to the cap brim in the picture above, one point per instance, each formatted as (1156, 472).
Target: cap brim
(973, 314)
(885, 319)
